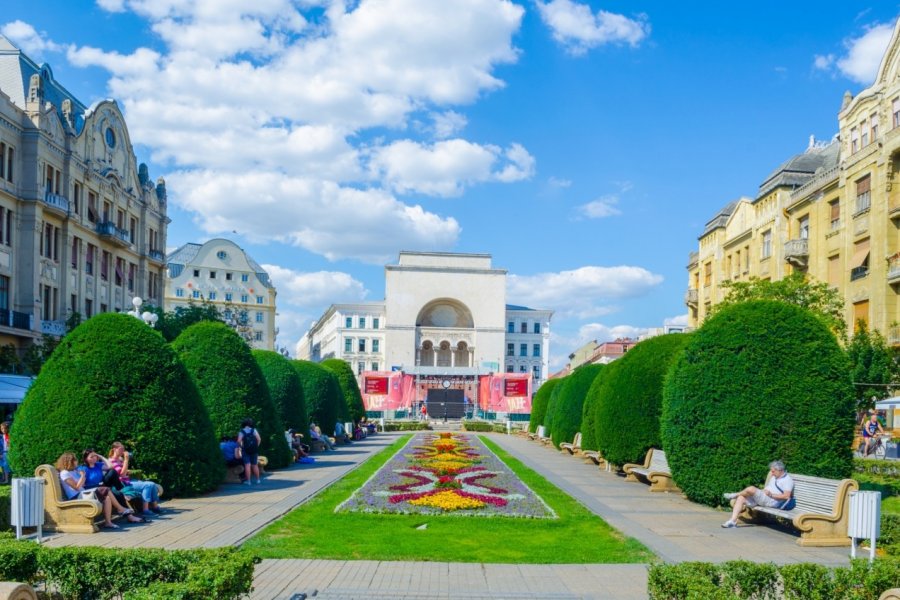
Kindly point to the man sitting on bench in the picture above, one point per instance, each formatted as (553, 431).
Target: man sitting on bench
(231, 452)
(778, 493)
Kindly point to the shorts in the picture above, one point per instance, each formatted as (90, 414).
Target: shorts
(759, 498)
(250, 459)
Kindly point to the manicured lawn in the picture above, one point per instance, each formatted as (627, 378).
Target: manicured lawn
(314, 530)
(891, 505)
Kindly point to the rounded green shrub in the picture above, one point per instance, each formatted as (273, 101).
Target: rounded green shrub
(115, 379)
(284, 388)
(354, 410)
(566, 411)
(321, 392)
(552, 402)
(539, 404)
(232, 386)
(589, 413)
(628, 402)
(759, 381)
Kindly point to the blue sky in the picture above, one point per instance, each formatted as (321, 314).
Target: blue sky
(582, 144)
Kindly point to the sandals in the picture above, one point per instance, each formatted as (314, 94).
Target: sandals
(109, 526)
(136, 519)
(126, 512)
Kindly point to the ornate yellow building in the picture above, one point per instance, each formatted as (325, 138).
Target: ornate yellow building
(832, 211)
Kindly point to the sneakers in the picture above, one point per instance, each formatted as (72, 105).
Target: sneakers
(729, 524)
(731, 496)
(258, 481)
(247, 482)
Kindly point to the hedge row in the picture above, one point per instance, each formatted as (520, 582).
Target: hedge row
(285, 389)
(5, 507)
(352, 408)
(565, 413)
(540, 402)
(406, 426)
(744, 579)
(321, 392)
(479, 426)
(133, 574)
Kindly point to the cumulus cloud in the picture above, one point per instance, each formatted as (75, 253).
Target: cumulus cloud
(678, 321)
(273, 104)
(862, 55)
(584, 292)
(604, 206)
(559, 182)
(578, 29)
(26, 37)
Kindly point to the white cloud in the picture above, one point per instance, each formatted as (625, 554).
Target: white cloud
(558, 182)
(29, 39)
(316, 290)
(566, 344)
(678, 321)
(267, 104)
(862, 55)
(581, 292)
(445, 168)
(600, 208)
(578, 29)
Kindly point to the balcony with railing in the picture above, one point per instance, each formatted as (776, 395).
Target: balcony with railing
(56, 202)
(796, 252)
(859, 272)
(893, 275)
(108, 230)
(16, 320)
(157, 255)
(56, 328)
(693, 257)
(692, 297)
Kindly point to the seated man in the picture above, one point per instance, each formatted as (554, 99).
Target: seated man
(316, 434)
(340, 435)
(231, 452)
(870, 429)
(778, 493)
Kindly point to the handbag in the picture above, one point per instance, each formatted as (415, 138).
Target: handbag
(88, 494)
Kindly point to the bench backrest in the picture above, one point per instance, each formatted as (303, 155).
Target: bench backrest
(817, 494)
(53, 487)
(658, 460)
(577, 441)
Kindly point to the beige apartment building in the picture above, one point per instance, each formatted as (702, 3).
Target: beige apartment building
(832, 212)
(82, 226)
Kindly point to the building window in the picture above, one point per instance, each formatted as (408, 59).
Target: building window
(132, 268)
(873, 126)
(863, 194)
(860, 313)
(537, 327)
(88, 308)
(76, 198)
(707, 274)
(228, 276)
(259, 299)
(348, 344)
(859, 266)
(375, 323)
(348, 322)
(195, 294)
(374, 366)
(510, 327)
(6, 219)
(104, 266)
(510, 369)
(804, 227)
(362, 322)
(196, 272)
(524, 327)
(221, 255)
(120, 271)
(523, 349)
(259, 317)
(510, 349)
(10, 153)
(245, 278)
(258, 336)
(360, 367)
(4, 292)
(376, 345)
(245, 298)
(536, 350)
(536, 372)
(895, 110)
(864, 138)
(361, 345)
(228, 296)
(835, 206)
(89, 260)
(212, 295)
(521, 368)
(212, 274)
(767, 244)
(179, 293)
(854, 140)
(834, 270)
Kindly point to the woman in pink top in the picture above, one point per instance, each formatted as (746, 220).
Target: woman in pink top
(120, 459)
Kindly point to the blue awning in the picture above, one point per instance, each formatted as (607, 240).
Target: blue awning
(13, 388)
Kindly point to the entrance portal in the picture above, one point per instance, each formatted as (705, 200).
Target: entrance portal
(448, 404)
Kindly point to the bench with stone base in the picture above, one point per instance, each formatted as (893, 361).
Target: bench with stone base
(595, 457)
(655, 470)
(821, 512)
(572, 448)
(233, 474)
(67, 516)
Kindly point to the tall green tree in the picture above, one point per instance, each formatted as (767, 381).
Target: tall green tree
(797, 289)
(873, 366)
(350, 389)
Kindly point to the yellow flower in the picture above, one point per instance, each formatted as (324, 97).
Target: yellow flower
(447, 500)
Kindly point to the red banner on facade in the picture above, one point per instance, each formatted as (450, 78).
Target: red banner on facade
(516, 387)
(505, 392)
(376, 385)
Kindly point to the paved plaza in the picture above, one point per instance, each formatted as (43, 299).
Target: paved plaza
(672, 527)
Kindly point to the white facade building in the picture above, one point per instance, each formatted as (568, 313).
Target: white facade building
(443, 315)
(221, 273)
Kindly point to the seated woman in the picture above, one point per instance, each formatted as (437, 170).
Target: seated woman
(73, 485)
(120, 459)
(100, 474)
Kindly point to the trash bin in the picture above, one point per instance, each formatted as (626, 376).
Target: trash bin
(891, 450)
(27, 507)
(865, 520)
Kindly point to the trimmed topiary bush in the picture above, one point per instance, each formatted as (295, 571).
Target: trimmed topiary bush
(760, 381)
(551, 406)
(570, 401)
(589, 413)
(539, 404)
(628, 402)
(322, 394)
(232, 386)
(284, 388)
(353, 404)
(115, 379)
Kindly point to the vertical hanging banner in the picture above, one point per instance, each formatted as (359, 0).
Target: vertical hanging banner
(387, 390)
(505, 392)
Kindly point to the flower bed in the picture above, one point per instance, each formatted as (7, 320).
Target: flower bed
(447, 474)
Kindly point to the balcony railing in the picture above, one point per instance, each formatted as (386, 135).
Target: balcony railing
(796, 252)
(109, 230)
(691, 297)
(16, 320)
(693, 257)
(893, 275)
(57, 328)
(60, 203)
(157, 255)
(858, 273)
(893, 336)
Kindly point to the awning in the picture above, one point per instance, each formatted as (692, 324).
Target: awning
(860, 254)
(888, 403)
(13, 388)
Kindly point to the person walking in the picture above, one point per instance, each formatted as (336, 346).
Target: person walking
(249, 441)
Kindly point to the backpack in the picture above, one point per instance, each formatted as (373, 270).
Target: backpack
(248, 442)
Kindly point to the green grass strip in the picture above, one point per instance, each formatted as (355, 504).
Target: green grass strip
(314, 530)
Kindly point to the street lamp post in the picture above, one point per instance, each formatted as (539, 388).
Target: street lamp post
(147, 317)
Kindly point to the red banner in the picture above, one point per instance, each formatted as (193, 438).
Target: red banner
(505, 392)
(376, 385)
(516, 387)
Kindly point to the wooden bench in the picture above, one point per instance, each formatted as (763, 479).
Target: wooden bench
(655, 470)
(572, 448)
(539, 434)
(595, 457)
(67, 516)
(821, 513)
(233, 474)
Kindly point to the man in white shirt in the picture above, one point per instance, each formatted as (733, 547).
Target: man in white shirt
(778, 493)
